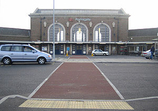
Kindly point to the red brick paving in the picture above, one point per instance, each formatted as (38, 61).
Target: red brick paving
(77, 81)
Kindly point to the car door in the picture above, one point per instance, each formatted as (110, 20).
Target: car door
(100, 52)
(16, 53)
(29, 54)
(97, 52)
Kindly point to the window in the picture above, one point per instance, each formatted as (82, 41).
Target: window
(79, 33)
(16, 48)
(101, 33)
(59, 33)
(27, 49)
(5, 48)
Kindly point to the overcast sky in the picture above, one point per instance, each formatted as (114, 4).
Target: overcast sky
(14, 13)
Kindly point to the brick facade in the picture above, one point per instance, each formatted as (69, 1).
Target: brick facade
(123, 27)
(115, 20)
(14, 34)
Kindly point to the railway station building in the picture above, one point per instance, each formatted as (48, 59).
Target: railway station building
(79, 31)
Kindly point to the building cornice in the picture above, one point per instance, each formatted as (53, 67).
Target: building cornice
(80, 12)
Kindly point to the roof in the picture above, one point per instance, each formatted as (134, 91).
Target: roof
(143, 32)
(80, 12)
(14, 32)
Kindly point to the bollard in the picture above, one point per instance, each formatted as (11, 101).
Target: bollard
(67, 53)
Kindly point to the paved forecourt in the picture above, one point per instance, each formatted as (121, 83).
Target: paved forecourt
(77, 85)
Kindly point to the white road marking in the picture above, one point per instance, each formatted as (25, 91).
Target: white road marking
(23, 97)
(116, 90)
(43, 82)
(144, 98)
(12, 96)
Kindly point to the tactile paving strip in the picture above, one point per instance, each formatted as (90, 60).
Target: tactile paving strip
(65, 104)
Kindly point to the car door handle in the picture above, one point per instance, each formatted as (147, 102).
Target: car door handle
(25, 54)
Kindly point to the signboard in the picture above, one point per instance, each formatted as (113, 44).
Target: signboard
(44, 48)
(83, 19)
(70, 19)
(68, 48)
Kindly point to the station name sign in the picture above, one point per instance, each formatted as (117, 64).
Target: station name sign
(83, 19)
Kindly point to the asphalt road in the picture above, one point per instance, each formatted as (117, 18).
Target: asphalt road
(136, 82)
(23, 78)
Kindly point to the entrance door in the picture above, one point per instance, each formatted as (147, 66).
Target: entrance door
(79, 50)
(57, 49)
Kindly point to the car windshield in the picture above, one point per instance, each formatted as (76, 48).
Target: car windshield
(35, 48)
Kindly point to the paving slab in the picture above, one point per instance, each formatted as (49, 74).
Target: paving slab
(106, 59)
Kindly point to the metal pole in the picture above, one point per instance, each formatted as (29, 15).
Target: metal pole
(53, 30)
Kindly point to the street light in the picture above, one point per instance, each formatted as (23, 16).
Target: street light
(53, 30)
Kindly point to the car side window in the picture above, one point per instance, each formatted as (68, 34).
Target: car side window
(16, 48)
(27, 49)
(98, 50)
(5, 48)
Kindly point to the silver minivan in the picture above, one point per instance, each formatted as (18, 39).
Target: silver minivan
(10, 53)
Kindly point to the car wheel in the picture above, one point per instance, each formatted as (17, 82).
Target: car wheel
(104, 54)
(7, 61)
(94, 54)
(41, 60)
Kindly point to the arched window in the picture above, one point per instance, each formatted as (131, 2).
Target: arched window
(102, 33)
(79, 33)
(59, 33)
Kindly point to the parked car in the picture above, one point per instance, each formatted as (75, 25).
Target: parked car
(147, 54)
(100, 52)
(10, 53)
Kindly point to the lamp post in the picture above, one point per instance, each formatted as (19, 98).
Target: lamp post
(53, 30)
(118, 38)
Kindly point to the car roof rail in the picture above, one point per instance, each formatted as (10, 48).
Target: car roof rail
(16, 44)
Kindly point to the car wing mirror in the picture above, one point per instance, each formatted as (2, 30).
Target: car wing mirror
(34, 51)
